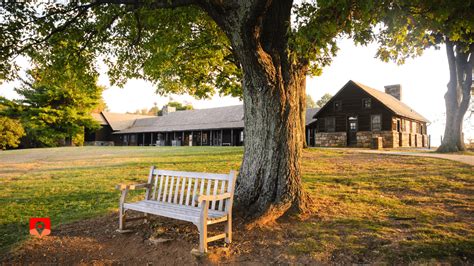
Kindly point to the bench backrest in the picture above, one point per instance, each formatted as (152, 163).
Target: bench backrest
(181, 187)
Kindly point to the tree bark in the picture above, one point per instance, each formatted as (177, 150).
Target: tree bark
(270, 175)
(269, 182)
(458, 96)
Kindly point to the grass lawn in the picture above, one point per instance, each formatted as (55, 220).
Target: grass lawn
(368, 207)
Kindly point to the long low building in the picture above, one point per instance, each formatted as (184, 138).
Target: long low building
(221, 126)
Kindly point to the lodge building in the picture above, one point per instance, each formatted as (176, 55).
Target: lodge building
(357, 114)
(353, 117)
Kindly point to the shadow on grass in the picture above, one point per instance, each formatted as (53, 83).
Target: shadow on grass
(367, 241)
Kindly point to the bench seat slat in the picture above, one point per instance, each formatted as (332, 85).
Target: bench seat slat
(170, 193)
(171, 210)
(188, 195)
(176, 192)
(181, 195)
(221, 202)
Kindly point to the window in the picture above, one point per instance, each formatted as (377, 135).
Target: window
(241, 136)
(337, 105)
(330, 124)
(352, 126)
(366, 103)
(376, 122)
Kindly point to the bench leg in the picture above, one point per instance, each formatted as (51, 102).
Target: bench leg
(121, 219)
(203, 237)
(122, 210)
(228, 230)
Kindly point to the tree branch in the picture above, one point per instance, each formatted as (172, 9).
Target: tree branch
(82, 11)
(154, 4)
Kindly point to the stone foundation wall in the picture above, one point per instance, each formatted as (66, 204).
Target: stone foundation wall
(414, 140)
(364, 138)
(331, 139)
(390, 139)
(99, 143)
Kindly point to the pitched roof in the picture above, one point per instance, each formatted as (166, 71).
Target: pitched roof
(310, 113)
(198, 119)
(122, 121)
(99, 118)
(392, 103)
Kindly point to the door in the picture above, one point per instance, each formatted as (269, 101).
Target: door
(352, 126)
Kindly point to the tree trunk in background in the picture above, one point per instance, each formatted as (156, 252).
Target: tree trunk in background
(269, 183)
(458, 96)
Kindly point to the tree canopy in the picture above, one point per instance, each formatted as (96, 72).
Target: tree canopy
(310, 103)
(56, 101)
(181, 50)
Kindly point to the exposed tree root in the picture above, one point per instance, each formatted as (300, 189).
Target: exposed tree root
(300, 207)
(444, 148)
(451, 147)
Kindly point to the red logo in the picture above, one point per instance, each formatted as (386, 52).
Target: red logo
(40, 227)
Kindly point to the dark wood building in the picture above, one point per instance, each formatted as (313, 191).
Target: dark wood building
(358, 113)
(221, 126)
(109, 124)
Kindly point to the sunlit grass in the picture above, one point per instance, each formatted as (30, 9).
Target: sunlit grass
(368, 207)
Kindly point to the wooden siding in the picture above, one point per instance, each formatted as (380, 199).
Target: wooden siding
(351, 99)
(104, 133)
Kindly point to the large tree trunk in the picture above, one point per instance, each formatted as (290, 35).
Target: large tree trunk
(458, 95)
(270, 175)
(269, 183)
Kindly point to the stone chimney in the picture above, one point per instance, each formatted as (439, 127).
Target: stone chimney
(168, 109)
(394, 90)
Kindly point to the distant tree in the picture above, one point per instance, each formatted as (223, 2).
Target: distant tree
(179, 106)
(310, 102)
(143, 111)
(153, 111)
(324, 99)
(11, 132)
(58, 96)
(56, 114)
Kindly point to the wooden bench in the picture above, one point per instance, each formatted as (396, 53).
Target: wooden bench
(200, 198)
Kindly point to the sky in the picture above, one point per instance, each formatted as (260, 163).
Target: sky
(423, 81)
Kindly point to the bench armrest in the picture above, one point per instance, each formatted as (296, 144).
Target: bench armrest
(200, 198)
(132, 187)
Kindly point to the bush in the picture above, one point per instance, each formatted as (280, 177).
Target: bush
(11, 132)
